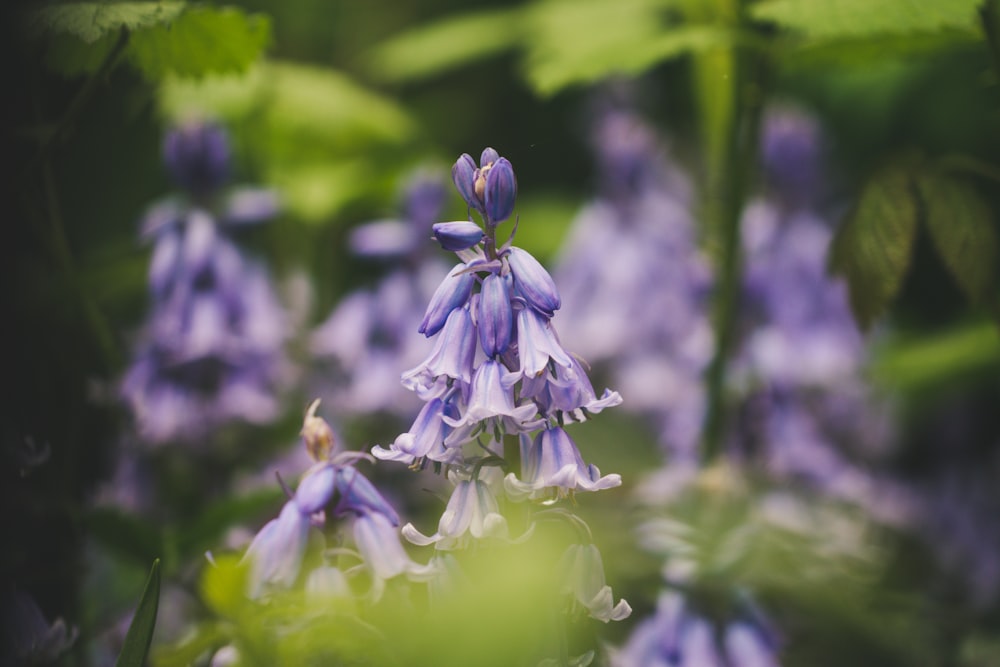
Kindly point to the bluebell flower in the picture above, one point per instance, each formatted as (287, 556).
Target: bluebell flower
(537, 345)
(452, 355)
(456, 236)
(490, 189)
(551, 466)
(275, 555)
(211, 351)
(453, 293)
(489, 398)
(472, 512)
(582, 573)
(359, 496)
(377, 540)
(532, 282)
(426, 438)
(495, 315)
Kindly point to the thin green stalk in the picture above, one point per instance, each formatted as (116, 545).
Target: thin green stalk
(729, 108)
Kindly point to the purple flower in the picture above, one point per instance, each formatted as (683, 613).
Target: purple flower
(463, 173)
(359, 496)
(377, 539)
(425, 438)
(472, 511)
(551, 465)
(452, 355)
(537, 344)
(197, 156)
(276, 552)
(495, 315)
(316, 489)
(453, 293)
(582, 573)
(567, 390)
(457, 236)
(500, 190)
(532, 282)
(489, 398)
(671, 637)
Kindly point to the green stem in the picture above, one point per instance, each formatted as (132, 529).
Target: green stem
(729, 107)
(989, 15)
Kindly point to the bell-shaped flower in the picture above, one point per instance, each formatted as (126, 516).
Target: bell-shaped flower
(532, 282)
(452, 293)
(489, 398)
(673, 636)
(551, 465)
(495, 316)
(316, 489)
(568, 390)
(197, 156)
(472, 511)
(275, 554)
(460, 235)
(359, 496)
(582, 572)
(426, 437)
(537, 344)
(500, 191)
(377, 540)
(463, 173)
(452, 355)
(747, 646)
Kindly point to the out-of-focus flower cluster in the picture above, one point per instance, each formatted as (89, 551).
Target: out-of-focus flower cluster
(211, 350)
(360, 348)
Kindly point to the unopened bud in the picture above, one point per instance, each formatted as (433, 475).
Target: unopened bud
(318, 436)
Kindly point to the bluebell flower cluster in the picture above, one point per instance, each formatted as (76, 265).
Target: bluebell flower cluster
(211, 350)
(364, 342)
(333, 484)
(498, 370)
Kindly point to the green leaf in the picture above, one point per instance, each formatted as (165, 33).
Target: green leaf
(202, 40)
(853, 18)
(961, 225)
(140, 632)
(931, 361)
(873, 248)
(624, 37)
(445, 45)
(92, 20)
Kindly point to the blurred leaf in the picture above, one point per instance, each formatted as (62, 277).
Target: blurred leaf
(848, 18)
(126, 534)
(932, 361)
(873, 247)
(200, 41)
(864, 50)
(545, 223)
(210, 525)
(205, 637)
(92, 20)
(961, 225)
(577, 42)
(445, 45)
(326, 104)
(140, 632)
(315, 192)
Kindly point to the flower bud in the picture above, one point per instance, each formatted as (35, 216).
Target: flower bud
(197, 156)
(500, 191)
(463, 173)
(452, 293)
(317, 434)
(457, 236)
(495, 315)
(533, 282)
(488, 156)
